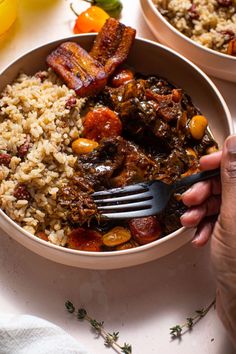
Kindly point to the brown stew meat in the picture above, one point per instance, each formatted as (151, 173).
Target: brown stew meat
(145, 128)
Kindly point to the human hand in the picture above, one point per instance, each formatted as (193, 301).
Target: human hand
(203, 200)
(213, 211)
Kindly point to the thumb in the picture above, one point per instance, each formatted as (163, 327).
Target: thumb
(228, 180)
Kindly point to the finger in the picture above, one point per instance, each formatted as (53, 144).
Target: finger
(228, 178)
(210, 162)
(195, 215)
(201, 191)
(197, 194)
(204, 232)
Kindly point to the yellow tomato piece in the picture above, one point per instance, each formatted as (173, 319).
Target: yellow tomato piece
(91, 20)
(212, 149)
(8, 12)
(198, 126)
(191, 152)
(83, 146)
(116, 236)
(127, 245)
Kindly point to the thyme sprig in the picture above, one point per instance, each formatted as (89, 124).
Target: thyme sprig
(178, 330)
(110, 339)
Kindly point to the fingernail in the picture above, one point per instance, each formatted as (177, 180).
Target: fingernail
(186, 214)
(231, 144)
(196, 239)
(187, 192)
(183, 217)
(195, 242)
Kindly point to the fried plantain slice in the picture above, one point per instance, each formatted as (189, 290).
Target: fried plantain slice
(112, 44)
(78, 69)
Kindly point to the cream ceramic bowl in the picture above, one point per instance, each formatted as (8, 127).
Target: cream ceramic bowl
(149, 58)
(213, 63)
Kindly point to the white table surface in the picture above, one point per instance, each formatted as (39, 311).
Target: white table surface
(141, 302)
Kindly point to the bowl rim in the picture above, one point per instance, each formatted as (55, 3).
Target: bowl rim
(180, 34)
(106, 254)
(140, 248)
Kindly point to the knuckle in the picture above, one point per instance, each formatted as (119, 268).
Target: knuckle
(230, 170)
(199, 214)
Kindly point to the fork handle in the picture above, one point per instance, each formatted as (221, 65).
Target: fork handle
(197, 177)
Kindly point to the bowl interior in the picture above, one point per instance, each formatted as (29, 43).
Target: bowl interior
(148, 58)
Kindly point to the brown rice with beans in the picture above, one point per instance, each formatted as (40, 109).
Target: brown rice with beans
(211, 23)
(39, 117)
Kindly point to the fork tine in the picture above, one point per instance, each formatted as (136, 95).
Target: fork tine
(125, 207)
(126, 198)
(136, 188)
(129, 215)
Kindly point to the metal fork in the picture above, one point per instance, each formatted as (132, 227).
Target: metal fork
(143, 199)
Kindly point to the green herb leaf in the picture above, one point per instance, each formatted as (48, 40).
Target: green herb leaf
(96, 325)
(189, 322)
(176, 331)
(126, 349)
(115, 336)
(69, 306)
(200, 312)
(110, 339)
(81, 314)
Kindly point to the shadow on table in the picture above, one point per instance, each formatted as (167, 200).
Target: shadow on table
(156, 295)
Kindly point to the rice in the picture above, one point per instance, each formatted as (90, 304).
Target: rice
(34, 113)
(205, 21)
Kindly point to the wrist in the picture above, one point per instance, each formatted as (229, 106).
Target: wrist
(226, 309)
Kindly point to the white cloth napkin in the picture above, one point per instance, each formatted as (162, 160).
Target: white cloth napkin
(23, 334)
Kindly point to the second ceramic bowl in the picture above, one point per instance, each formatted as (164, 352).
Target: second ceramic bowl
(213, 63)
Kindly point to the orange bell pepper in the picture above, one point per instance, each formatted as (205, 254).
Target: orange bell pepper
(91, 20)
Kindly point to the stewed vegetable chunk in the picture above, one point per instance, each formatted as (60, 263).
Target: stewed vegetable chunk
(145, 230)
